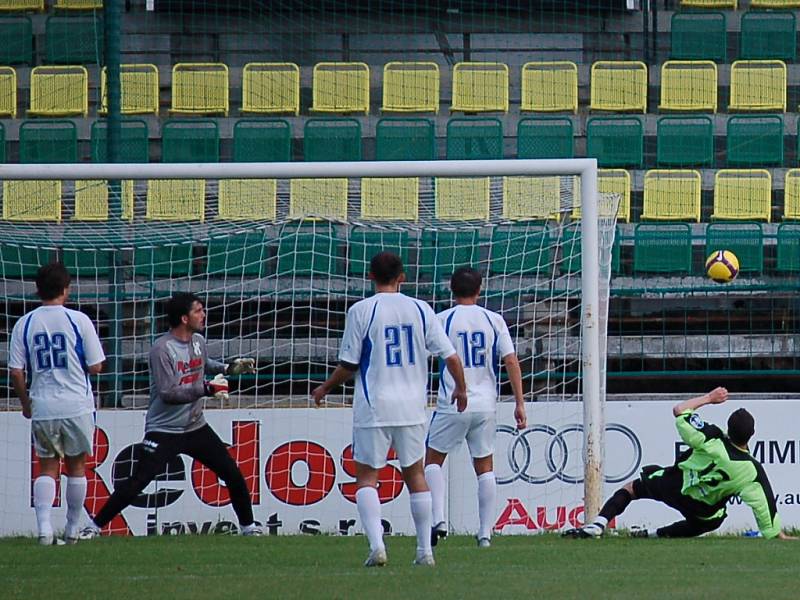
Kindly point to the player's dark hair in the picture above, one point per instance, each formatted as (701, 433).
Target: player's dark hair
(52, 280)
(179, 306)
(741, 427)
(385, 267)
(465, 282)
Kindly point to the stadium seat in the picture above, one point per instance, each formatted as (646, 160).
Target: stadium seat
(745, 240)
(609, 181)
(340, 87)
(788, 247)
(537, 198)
(306, 249)
(699, 36)
(2, 143)
(758, 85)
(672, 195)
(545, 137)
(774, 3)
(20, 262)
(662, 248)
(134, 144)
(365, 243)
(74, 40)
(200, 89)
(443, 251)
(237, 256)
(688, 85)
(474, 138)
(462, 198)
(271, 88)
(570, 260)
(139, 88)
(91, 200)
(410, 87)
(480, 87)
(709, 3)
(390, 198)
(59, 91)
(549, 87)
(685, 141)
(176, 200)
(87, 261)
(163, 261)
(332, 139)
(318, 198)
(754, 140)
(615, 141)
(78, 4)
(767, 35)
(619, 86)
(248, 199)
(25, 200)
(8, 92)
(16, 40)
(742, 195)
(791, 195)
(521, 250)
(262, 140)
(21, 5)
(189, 141)
(405, 139)
(48, 142)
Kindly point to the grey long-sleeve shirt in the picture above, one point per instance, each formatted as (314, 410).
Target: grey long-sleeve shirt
(177, 375)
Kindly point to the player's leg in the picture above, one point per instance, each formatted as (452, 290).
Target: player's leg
(480, 441)
(370, 448)
(688, 528)
(445, 433)
(78, 439)
(48, 449)
(409, 443)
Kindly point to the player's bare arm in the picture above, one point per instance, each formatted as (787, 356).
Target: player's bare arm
(457, 371)
(95, 369)
(715, 396)
(341, 374)
(21, 390)
(511, 363)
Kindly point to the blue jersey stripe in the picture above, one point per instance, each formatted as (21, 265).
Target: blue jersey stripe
(447, 324)
(495, 357)
(28, 366)
(422, 316)
(366, 355)
(79, 350)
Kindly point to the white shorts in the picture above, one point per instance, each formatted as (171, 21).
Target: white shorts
(63, 437)
(448, 430)
(371, 444)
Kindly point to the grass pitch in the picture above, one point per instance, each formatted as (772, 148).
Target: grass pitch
(330, 567)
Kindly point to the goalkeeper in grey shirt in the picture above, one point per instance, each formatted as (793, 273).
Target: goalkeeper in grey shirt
(174, 423)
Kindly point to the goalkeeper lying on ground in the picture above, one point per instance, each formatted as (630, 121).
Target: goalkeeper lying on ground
(716, 467)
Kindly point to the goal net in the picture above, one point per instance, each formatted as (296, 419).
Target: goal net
(278, 253)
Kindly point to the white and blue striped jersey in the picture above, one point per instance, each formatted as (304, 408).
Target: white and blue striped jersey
(481, 339)
(55, 346)
(390, 337)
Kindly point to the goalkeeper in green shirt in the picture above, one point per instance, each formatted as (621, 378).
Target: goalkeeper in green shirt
(716, 467)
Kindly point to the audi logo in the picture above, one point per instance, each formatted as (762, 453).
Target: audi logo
(541, 453)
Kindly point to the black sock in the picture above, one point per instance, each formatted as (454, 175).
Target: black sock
(616, 504)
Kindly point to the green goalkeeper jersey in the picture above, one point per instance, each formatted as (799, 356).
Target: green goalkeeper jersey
(714, 470)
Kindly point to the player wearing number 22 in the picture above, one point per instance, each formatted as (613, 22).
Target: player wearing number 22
(387, 340)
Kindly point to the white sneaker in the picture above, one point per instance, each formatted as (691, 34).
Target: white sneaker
(89, 533)
(591, 530)
(376, 558)
(484, 542)
(425, 560)
(252, 529)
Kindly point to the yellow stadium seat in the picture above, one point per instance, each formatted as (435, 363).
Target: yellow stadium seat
(17, 5)
(390, 198)
(318, 198)
(78, 4)
(247, 199)
(139, 85)
(32, 200)
(8, 92)
(462, 198)
(709, 3)
(758, 85)
(532, 198)
(619, 86)
(91, 200)
(672, 195)
(689, 85)
(340, 87)
(59, 91)
(176, 200)
(480, 87)
(609, 181)
(791, 194)
(270, 88)
(774, 3)
(411, 87)
(200, 89)
(550, 86)
(742, 194)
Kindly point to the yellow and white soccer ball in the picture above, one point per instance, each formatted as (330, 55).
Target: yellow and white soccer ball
(722, 266)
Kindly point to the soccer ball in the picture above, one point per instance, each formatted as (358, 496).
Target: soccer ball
(722, 266)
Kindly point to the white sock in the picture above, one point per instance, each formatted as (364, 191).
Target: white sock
(44, 493)
(601, 521)
(369, 510)
(421, 513)
(76, 494)
(487, 494)
(435, 479)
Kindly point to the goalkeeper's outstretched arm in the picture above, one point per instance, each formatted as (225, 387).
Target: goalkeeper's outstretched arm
(715, 396)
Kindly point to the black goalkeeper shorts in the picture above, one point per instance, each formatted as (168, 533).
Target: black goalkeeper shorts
(664, 484)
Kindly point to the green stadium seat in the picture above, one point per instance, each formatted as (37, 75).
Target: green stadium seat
(186, 141)
(662, 248)
(685, 141)
(87, 262)
(788, 247)
(2, 143)
(20, 262)
(699, 36)
(405, 139)
(262, 140)
(73, 40)
(442, 252)
(308, 249)
(161, 262)
(768, 34)
(332, 139)
(134, 145)
(243, 255)
(476, 138)
(545, 137)
(570, 262)
(16, 40)
(366, 243)
(521, 250)
(48, 142)
(755, 140)
(745, 240)
(615, 141)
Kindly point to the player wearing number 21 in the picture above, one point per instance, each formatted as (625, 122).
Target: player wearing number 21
(386, 343)
(58, 349)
